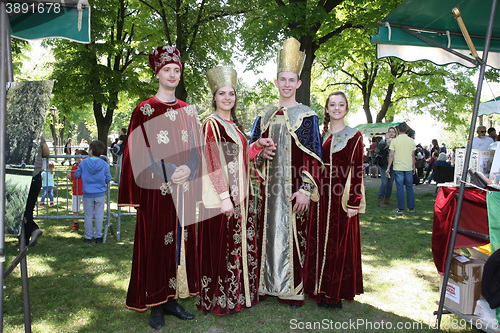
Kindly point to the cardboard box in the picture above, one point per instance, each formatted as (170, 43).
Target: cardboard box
(479, 160)
(477, 254)
(464, 284)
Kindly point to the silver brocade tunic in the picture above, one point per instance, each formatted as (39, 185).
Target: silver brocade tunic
(277, 272)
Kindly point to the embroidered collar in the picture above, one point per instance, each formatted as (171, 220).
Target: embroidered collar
(339, 139)
(293, 115)
(230, 128)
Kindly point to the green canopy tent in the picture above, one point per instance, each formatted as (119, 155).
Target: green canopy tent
(489, 107)
(31, 19)
(466, 32)
(427, 30)
(69, 19)
(375, 128)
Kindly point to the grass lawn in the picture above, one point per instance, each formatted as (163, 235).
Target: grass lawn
(77, 287)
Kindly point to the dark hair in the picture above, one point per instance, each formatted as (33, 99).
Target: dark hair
(233, 112)
(402, 128)
(124, 130)
(491, 129)
(97, 147)
(326, 119)
(81, 152)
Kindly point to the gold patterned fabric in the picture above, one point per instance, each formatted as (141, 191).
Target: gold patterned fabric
(228, 246)
(219, 77)
(290, 58)
(283, 232)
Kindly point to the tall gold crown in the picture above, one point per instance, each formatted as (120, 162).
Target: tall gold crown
(290, 58)
(219, 77)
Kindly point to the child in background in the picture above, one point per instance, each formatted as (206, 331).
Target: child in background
(77, 189)
(95, 176)
(48, 184)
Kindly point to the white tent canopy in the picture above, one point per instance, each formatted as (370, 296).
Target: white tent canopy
(489, 107)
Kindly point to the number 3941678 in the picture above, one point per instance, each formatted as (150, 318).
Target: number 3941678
(32, 8)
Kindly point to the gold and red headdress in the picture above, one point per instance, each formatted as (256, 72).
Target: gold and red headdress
(163, 55)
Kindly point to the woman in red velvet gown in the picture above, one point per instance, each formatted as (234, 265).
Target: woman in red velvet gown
(334, 247)
(227, 233)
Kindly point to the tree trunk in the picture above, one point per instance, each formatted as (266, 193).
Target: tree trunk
(180, 91)
(387, 103)
(304, 92)
(366, 103)
(103, 123)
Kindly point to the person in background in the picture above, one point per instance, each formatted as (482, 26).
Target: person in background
(67, 151)
(435, 147)
(429, 173)
(443, 148)
(31, 230)
(371, 154)
(382, 152)
(481, 141)
(121, 145)
(492, 133)
(403, 156)
(114, 150)
(95, 175)
(442, 160)
(333, 260)
(48, 184)
(77, 189)
(419, 164)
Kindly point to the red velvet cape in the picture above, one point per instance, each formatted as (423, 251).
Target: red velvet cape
(154, 277)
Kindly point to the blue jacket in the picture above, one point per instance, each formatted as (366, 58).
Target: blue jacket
(95, 175)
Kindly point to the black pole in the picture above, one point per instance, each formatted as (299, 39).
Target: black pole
(24, 282)
(468, 152)
(3, 107)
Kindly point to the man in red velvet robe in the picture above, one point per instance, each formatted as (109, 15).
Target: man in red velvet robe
(289, 182)
(160, 161)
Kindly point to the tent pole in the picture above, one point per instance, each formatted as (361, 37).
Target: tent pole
(468, 152)
(8, 56)
(3, 106)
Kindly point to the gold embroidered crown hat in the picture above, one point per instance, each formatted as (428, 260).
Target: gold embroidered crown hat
(163, 55)
(219, 77)
(290, 57)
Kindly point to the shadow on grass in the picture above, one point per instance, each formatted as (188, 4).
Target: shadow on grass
(387, 236)
(77, 287)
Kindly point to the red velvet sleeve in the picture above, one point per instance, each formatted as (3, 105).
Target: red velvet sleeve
(355, 194)
(212, 155)
(254, 150)
(129, 192)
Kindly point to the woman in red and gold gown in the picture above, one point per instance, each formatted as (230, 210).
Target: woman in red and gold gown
(227, 233)
(334, 248)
